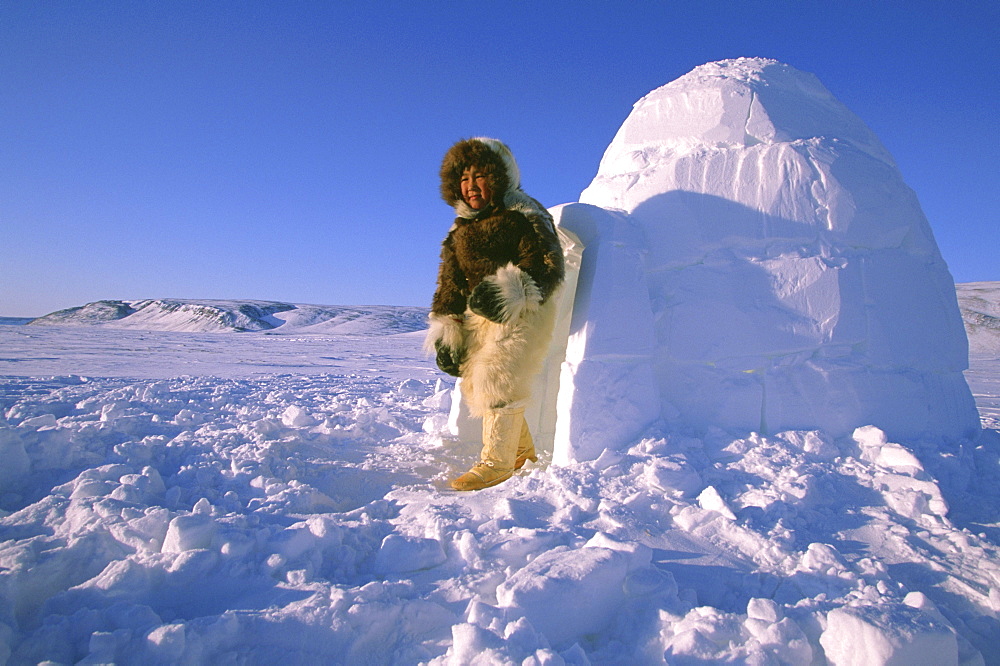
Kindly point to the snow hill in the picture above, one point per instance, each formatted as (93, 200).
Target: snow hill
(229, 315)
(980, 305)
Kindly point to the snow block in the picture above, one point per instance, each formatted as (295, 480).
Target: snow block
(189, 532)
(888, 635)
(568, 593)
(607, 388)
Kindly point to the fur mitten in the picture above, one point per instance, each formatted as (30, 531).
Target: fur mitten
(448, 359)
(487, 301)
(446, 340)
(503, 296)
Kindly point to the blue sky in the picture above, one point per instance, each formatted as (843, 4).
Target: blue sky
(289, 150)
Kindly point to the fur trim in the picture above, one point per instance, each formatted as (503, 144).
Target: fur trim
(518, 292)
(445, 329)
(482, 153)
(463, 210)
(522, 203)
(491, 154)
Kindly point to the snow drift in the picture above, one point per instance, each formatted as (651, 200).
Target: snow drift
(755, 262)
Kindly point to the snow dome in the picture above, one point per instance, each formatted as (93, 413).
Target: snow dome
(755, 262)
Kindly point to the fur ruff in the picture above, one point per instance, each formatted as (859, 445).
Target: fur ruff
(503, 359)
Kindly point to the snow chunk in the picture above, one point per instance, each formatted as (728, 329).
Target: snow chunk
(708, 635)
(471, 644)
(673, 475)
(412, 387)
(189, 532)
(403, 554)
(39, 422)
(763, 609)
(822, 558)
(903, 490)
(639, 554)
(550, 591)
(887, 634)
(167, 642)
(711, 500)
(295, 416)
(875, 448)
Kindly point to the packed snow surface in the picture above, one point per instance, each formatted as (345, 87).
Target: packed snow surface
(249, 498)
(771, 261)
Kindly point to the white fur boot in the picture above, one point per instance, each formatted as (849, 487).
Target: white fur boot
(501, 436)
(525, 447)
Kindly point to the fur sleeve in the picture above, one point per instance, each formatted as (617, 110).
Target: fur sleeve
(452, 287)
(449, 303)
(541, 255)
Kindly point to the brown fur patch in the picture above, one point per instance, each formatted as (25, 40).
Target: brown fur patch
(476, 249)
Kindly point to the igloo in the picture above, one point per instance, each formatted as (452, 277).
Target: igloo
(749, 258)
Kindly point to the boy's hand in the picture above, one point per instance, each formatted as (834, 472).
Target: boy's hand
(448, 359)
(486, 300)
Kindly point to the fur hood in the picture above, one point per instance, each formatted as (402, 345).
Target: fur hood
(497, 160)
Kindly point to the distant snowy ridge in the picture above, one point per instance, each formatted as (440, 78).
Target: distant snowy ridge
(979, 303)
(980, 306)
(208, 316)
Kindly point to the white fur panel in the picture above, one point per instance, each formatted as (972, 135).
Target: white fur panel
(463, 210)
(519, 292)
(503, 359)
(446, 329)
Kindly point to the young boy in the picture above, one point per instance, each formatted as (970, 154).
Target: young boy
(492, 316)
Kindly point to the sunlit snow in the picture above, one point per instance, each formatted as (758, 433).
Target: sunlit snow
(211, 497)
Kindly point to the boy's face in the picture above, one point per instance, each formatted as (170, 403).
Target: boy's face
(476, 190)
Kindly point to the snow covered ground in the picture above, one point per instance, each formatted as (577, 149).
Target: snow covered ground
(248, 498)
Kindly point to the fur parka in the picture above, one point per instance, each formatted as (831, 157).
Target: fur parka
(492, 312)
